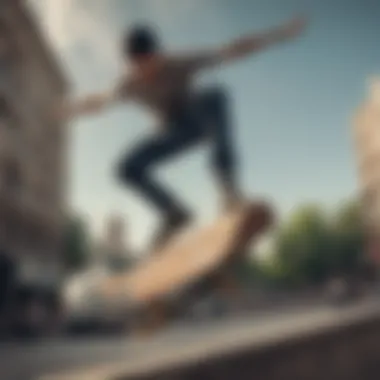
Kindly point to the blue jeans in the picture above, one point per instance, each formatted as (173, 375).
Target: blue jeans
(207, 117)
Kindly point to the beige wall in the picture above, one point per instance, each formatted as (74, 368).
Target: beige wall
(32, 144)
(367, 143)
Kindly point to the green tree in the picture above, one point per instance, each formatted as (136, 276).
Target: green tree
(348, 235)
(76, 249)
(303, 247)
(310, 246)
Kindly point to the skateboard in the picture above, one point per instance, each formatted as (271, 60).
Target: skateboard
(189, 267)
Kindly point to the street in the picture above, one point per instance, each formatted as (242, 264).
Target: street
(34, 360)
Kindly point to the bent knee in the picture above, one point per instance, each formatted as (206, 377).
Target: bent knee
(129, 171)
(224, 162)
(215, 97)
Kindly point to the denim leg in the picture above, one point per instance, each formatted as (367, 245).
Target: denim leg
(135, 168)
(215, 109)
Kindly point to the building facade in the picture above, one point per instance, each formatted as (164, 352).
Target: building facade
(112, 250)
(114, 232)
(367, 144)
(32, 143)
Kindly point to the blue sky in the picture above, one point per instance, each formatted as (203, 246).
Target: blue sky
(292, 105)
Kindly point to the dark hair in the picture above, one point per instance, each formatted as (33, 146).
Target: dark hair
(139, 41)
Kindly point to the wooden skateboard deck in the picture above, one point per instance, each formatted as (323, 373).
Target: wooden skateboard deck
(189, 259)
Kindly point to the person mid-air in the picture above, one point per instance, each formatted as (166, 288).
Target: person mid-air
(187, 115)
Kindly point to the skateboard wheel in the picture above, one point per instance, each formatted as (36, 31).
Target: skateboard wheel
(260, 216)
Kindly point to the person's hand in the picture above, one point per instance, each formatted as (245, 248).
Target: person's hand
(65, 110)
(295, 27)
(61, 110)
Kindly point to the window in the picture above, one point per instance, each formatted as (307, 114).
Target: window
(53, 139)
(11, 176)
(4, 42)
(11, 58)
(7, 117)
(8, 45)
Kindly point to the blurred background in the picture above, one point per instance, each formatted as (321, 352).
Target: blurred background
(307, 120)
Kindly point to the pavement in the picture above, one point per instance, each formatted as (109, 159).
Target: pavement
(48, 360)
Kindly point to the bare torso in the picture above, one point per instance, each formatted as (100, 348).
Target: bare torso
(164, 90)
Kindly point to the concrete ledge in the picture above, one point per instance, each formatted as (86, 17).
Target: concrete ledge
(323, 344)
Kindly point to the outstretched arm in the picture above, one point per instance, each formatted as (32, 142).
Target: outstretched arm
(250, 44)
(90, 104)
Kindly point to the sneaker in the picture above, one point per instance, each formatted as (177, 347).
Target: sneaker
(173, 224)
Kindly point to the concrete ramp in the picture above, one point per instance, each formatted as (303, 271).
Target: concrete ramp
(326, 343)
